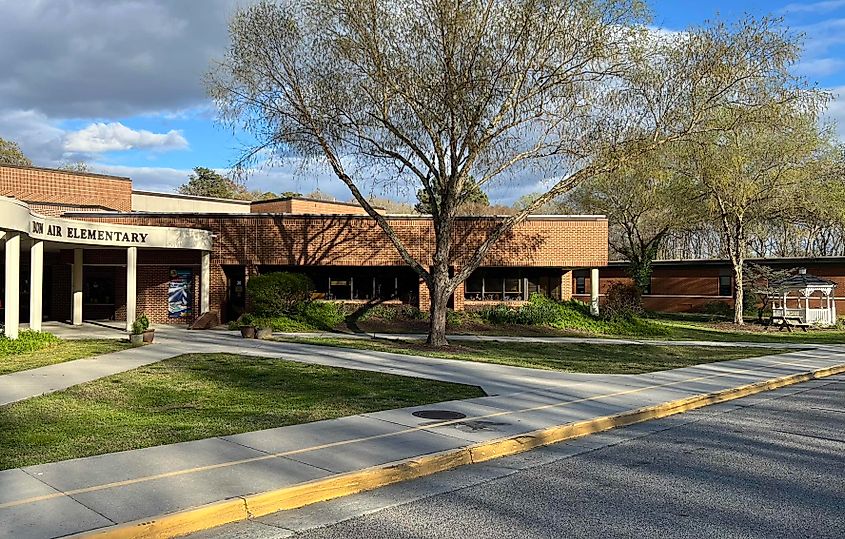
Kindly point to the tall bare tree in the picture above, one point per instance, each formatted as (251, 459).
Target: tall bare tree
(433, 93)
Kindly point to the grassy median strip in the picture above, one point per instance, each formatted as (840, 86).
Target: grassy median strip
(58, 351)
(199, 396)
(567, 357)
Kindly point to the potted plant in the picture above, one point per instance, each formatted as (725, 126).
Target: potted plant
(246, 323)
(136, 336)
(146, 331)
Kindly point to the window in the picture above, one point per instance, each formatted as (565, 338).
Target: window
(513, 289)
(725, 288)
(647, 290)
(493, 288)
(538, 285)
(474, 288)
(580, 285)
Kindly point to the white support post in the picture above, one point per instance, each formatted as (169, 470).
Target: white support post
(36, 283)
(205, 282)
(12, 301)
(76, 307)
(594, 291)
(131, 285)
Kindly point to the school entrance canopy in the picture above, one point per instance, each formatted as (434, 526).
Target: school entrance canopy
(805, 297)
(21, 228)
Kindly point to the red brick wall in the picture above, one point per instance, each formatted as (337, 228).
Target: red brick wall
(252, 240)
(305, 206)
(57, 187)
(679, 288)
(355, 241)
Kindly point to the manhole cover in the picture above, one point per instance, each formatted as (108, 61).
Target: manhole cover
(438, 414)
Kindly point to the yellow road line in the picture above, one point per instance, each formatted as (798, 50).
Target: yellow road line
(199, 469)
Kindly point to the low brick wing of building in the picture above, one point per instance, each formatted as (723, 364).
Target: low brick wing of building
(341, 248)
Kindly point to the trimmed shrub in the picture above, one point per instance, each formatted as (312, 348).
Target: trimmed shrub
(570, 315)
(27, 341)
(316, 315)
(389, 313)
(622, 301)
(321, 314)
(278, 293)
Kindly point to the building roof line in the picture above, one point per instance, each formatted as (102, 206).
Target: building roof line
(346, 215)
(74, 172)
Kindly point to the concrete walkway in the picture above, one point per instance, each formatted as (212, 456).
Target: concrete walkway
(170, 342)
(548, 340)
(85, 494)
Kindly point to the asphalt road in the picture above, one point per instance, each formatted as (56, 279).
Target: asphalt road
(771, 465)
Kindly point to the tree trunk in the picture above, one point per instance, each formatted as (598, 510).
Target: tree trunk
(740, 294)
(439, 308)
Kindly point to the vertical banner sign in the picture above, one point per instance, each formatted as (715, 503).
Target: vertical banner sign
(179, 293)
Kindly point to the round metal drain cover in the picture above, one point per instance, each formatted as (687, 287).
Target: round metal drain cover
(439, 414)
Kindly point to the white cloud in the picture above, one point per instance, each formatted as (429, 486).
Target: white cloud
(109, 137)
(820, 67)
(836, 111)
(814, 7)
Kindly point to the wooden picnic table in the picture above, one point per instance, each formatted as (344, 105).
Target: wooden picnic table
(787, 322)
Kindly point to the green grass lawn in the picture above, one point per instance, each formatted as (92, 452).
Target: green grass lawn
(575, 357)
(677, 329)
(198, 396)
(58, 352)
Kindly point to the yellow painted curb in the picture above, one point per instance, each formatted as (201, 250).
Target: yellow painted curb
(319, 490)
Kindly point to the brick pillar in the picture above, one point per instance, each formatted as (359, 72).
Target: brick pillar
(566, 285)
(458, 297)
(424, 302)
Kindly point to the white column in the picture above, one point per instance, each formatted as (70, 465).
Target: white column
(76, 311)
(131, 285)
(36, 283)
(205, 282)
(594, 291)
(12, 301)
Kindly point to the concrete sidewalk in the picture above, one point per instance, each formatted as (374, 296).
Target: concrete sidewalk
(86, 494)
(548, 340)
(170, 342)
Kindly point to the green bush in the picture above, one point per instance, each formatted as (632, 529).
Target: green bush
(569, 315)
(273, 294)
(316, 315)
(321, 314)
(390, 313)
(141, 324)
(27, 341)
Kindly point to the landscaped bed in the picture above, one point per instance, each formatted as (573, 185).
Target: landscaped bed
(34, 349)
(567, 357)
(539, 317)
(198, 396)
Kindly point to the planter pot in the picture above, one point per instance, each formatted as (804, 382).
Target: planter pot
(263, 333)
(248, 332)
(136, 339)
(149, 335)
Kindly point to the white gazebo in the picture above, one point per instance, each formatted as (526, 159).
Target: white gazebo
(804, 300)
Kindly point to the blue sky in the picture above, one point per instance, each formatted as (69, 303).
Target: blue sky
(118, 83)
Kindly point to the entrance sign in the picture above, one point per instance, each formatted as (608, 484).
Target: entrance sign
(180, 293)
(16, 215)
